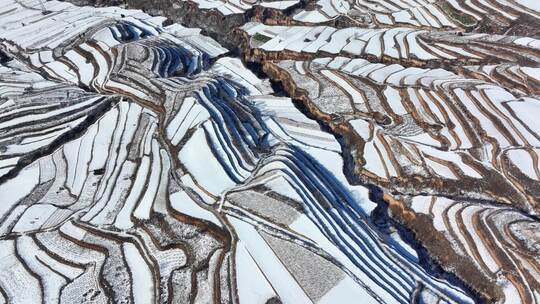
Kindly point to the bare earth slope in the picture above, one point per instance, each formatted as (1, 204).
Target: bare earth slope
(330, 151)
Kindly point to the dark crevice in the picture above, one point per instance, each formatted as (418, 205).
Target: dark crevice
(380, 216)
(4, 57)
(382, 219)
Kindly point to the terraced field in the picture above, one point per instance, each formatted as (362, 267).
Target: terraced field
(329, 151)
